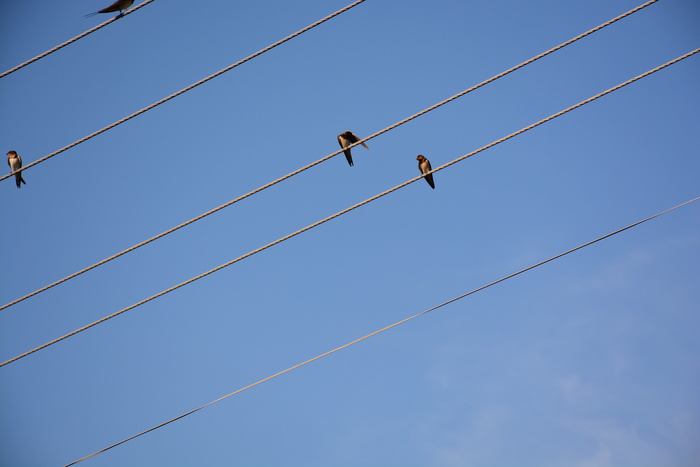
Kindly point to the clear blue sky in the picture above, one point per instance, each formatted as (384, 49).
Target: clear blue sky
(589, 361)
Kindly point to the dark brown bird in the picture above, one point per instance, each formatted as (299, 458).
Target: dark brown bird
(119, 5)
(424, 167)
(345, 139)
(15, 163)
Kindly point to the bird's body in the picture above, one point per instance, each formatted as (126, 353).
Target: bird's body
(15, 162)
(424, 167)
(346, 139)
(119, 5)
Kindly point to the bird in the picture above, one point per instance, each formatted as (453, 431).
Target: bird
(15, 163)
(119, 5)
(345, 139)
(424, 167)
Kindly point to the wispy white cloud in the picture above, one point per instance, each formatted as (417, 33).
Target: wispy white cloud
(574, 390)
(615, 443)
(614, 275)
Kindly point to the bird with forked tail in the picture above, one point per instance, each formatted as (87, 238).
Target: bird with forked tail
(424, 167)
(346, 139)
(119, 5)
(15, 162)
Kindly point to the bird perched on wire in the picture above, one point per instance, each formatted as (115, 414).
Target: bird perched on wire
(119, 5)
(345, 139)
(15, 163)
(424, 167)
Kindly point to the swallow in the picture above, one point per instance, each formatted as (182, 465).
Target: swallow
(346, 139)
(424, 167)
(15, 163)
(119, 5)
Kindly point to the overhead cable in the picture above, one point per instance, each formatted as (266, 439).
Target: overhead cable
(351, 208)
(190, 87)
(298, 171)
(76, 38)
(382, 330)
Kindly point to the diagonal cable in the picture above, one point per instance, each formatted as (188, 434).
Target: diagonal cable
(190, 87)
(76, 38)
(351, 208)
(384, 329)
(298, 171)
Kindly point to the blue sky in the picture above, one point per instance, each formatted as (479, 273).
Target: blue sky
(589, 361)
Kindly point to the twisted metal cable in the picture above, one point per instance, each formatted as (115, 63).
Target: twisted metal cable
(298, 171)
(351, 208)
(385, 329)
(76, 38)
(190, 87)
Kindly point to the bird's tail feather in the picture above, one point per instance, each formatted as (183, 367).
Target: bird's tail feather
(91, 14)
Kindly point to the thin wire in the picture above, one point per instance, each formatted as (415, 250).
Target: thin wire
(76, 38)
(386, 329)
(296, 172)
(345, 211)
(190, 87)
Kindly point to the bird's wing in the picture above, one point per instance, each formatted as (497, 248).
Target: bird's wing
(356, 138)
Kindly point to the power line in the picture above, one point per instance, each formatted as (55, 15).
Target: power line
(76, 38)
(385, 329)
(351, 208)
(190, 87)
(298, 171)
